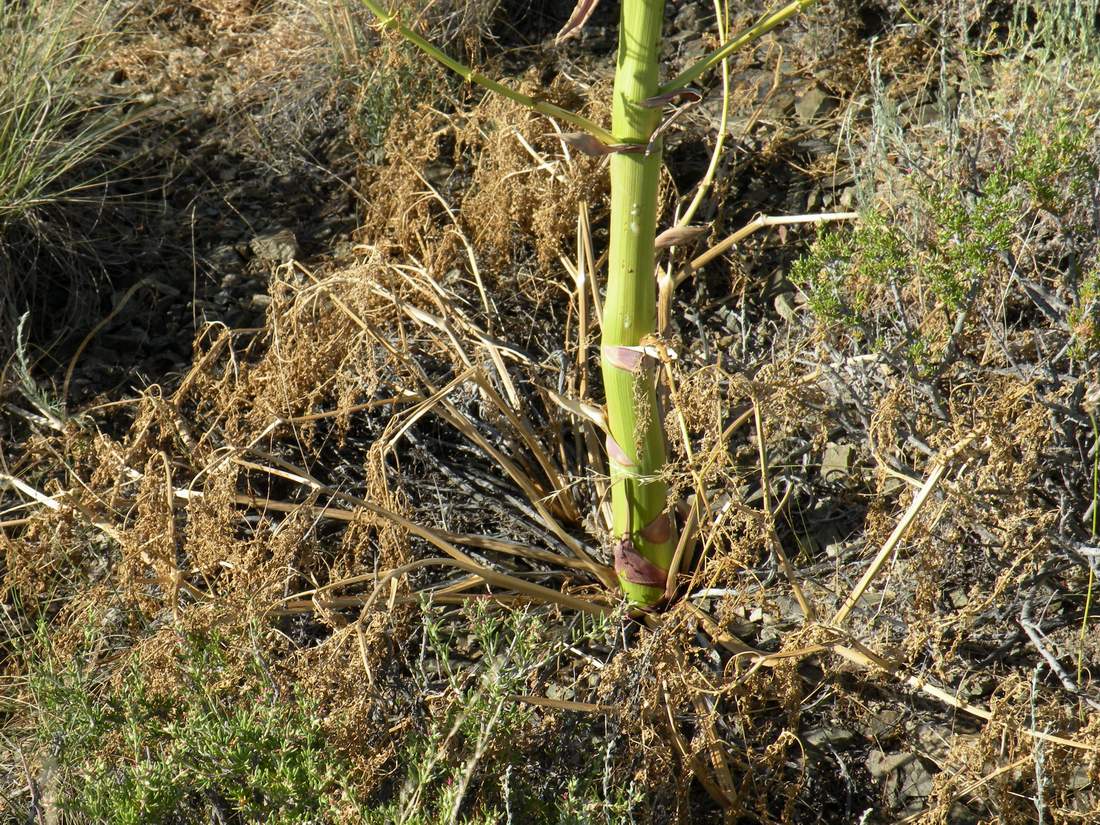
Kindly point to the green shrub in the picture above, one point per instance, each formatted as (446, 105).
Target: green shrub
(1084, 316)
(951, 246)
(215, 740)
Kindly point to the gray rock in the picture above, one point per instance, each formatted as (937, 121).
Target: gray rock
(275, 247)
(915, 780)
(687, 19)
(829, 735)
(836, 463)
(784, 305)
(812, 104)
(882, 723)
(881, 764)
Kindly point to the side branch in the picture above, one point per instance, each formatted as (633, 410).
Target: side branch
(736, 44)
(392, 22)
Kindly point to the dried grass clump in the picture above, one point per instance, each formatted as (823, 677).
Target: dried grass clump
(512, 202)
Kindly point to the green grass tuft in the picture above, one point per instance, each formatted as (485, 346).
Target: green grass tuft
(48, 126)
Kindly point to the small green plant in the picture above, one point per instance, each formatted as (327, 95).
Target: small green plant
(968, 232)
(948, 247)
(843, 268)
(1054, 165)
(202, 742)
(1084, 316)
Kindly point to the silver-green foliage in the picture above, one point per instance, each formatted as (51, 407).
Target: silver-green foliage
(468, 766)
(130, 752)
(952, 242)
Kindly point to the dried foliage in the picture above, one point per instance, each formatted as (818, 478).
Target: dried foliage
(384, 495)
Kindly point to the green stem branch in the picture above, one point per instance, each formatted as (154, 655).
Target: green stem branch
(392, 22)
(696, 71)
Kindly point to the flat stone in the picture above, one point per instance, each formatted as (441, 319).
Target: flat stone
(836, 463)
(881, 764)
(687, 19)
(275, 247)
(784, 305)
(829, 736)
(812, 104)
(883, 723)
(916, 780)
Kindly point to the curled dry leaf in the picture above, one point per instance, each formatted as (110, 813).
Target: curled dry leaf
(579, 409)
(658, 530)
(586, 143)
(676, 235)
(581, 12)
(635, 568)
(676, 96)
(625, 358)
(590, 145)
(617, 454)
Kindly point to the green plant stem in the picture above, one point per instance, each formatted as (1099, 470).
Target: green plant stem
(721, 15)
(696, 71)
(638, 494)
(393, 23)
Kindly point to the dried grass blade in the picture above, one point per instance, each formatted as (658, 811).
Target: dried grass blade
(863, 656)
(561, 704)
(582, 410)
(729, 642)
(592, 265)
(52, 503)
(462, 237)
(697, 765)
(449, 413)
(457, 557)
(773, 539)
(561, 491)
(520, 550)
(425, 407)
(685, 550)
(898, 533)
(759, 222)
